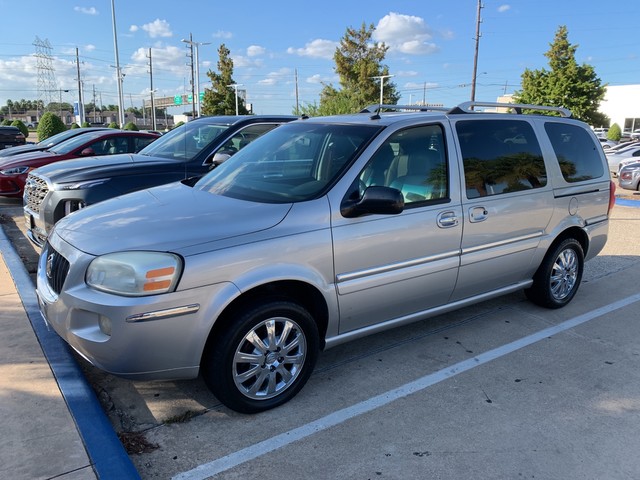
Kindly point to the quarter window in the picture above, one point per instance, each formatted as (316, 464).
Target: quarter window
(500, 156)
(576, 152)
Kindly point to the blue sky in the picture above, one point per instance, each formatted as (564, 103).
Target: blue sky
(431, 44)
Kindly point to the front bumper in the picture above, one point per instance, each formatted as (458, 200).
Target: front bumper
(145, 338)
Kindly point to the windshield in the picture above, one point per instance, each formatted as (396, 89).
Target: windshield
(71, 144)
(185, 142)
(293, 163)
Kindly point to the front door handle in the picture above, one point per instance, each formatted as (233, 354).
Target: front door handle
(447, 219)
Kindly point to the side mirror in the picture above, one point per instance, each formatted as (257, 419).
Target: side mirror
(219, 158)
(375, 200)
(87, 152)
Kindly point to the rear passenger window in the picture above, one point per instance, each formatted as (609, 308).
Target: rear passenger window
(500, 156)
(576, 152)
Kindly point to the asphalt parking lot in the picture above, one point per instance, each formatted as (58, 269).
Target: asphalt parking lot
(503, 389)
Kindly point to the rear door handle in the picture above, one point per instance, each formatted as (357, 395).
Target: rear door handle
(478, 214)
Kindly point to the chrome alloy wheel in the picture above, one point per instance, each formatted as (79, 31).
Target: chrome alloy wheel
(269, 358)
(564, 274)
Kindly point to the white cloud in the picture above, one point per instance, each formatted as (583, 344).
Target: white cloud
(281, 76)
(89, 48)
(222, 34)
(504, 8)
(317, 79)
(86, 10)
(318, 48)
(240, 61)
(165, 58)
(405, 33)
(134, 28)
(158, 28)
(255, 50)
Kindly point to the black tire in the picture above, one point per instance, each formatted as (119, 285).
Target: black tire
(558, 277)
(263, 357)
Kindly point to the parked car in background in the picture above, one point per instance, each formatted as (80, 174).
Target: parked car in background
(322, 231)
(190, 150)
(48, 142)
(621, 157)
(14, 170)
(607, 144)
(10, 137)
(629, 176)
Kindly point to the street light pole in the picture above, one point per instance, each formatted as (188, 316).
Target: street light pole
(118, 71)
(235, 87)
(60, 104)
(382, 77)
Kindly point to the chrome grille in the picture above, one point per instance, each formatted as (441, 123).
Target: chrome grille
(35, 190)
(56, 268)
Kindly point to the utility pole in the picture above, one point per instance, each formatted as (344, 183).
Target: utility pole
(297, 101)
(153, 106)
(382, 77)
(80, 103)
(191, 43)
(475, 56)
(190, 65)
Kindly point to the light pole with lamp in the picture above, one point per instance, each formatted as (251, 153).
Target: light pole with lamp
(382, 77)
(235, 87)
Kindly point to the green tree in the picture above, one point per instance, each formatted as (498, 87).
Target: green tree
(6, 122)
(614, 133)
(23, 128)
(49, 125)
(130, 126)
(359, 65)
(220, 99)
(567, 84)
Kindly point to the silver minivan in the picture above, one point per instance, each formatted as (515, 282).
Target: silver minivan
(322, 231)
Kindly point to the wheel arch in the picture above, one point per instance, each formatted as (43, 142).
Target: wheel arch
(295, 291)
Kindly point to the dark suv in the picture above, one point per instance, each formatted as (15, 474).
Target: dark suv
(10, 137)
(57, 190)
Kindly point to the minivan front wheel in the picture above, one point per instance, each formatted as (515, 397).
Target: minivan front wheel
(558, 277)
(263, 357)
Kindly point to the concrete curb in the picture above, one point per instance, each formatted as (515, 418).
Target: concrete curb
(106, 453)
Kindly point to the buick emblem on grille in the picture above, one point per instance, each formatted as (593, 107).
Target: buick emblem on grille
(49, 266)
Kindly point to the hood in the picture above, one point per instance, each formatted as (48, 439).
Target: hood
(29, 158)
(97, 167)
(165, 218)
(20, 149)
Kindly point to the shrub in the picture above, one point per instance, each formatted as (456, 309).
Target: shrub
(614, 133)
(49, 125)
(131, 126)
(74, 125)
(114, 125)
(85, 124)
(22, 127)
(6, 122)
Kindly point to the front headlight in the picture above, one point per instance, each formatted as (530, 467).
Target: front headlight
(80, 185)
(15, 170)
(135, 274)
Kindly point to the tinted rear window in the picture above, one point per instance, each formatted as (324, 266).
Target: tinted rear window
(500, 156)
(576, 152)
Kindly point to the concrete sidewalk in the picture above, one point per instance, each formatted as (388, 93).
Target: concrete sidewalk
(52, 423)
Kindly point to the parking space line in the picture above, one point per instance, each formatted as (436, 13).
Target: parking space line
(274, 443)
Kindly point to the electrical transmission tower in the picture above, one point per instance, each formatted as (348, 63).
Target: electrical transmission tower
(47, 85)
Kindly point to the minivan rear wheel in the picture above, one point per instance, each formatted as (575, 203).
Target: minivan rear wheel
(558, 277)
(264, 356)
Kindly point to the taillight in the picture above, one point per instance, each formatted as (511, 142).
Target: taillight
(612, 196)
(626, 175)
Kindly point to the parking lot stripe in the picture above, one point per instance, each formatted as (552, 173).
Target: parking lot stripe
(274, 443)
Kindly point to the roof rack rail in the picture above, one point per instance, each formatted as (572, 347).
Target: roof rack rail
(376, 108)
(467, 107)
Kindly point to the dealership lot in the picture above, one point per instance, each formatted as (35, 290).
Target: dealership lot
(500, 390)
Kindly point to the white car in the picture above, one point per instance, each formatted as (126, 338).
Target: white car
(622, 157)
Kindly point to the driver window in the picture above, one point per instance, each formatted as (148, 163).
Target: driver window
(412, 161)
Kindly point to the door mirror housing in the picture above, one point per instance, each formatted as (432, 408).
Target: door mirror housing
(375, 200)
